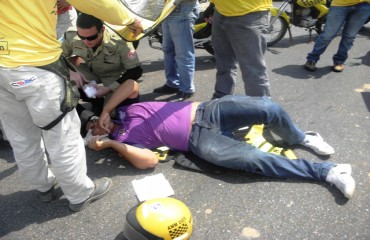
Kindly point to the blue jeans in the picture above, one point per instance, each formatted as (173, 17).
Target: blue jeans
(212, 139)
(241, 40)
(178, 47)
(352, 18)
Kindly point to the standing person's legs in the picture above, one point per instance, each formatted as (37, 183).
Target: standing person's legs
(334, 21)
(247, 35)
(180, 48)
(168, 48)
(355, 21)
(31, 99)
(182, 34)
(26, 141)
(226, 63)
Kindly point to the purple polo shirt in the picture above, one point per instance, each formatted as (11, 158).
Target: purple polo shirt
(154, 124)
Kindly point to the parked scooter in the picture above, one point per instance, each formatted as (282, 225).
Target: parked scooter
(201, 36)
(308, 14)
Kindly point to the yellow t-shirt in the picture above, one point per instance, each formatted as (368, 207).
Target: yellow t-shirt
(28, 28)
(232, 8)
(347, 2)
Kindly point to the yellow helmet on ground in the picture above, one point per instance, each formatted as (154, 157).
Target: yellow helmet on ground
(159, 219)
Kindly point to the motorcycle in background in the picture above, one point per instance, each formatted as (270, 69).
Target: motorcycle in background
(308, 14)
(201, 36)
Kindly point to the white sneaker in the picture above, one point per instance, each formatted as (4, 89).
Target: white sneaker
(340, 176)
(314, 141)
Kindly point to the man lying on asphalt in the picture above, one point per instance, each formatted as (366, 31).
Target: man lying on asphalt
(206, 129)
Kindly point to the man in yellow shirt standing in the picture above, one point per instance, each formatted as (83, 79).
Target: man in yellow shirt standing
(349, 14)
(31, 98)
(239, 31)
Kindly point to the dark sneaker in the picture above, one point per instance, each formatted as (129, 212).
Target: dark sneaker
(165, 89)
(102, 187)
(181, 96)
(310, 66)
(338, 67)
(47, 196)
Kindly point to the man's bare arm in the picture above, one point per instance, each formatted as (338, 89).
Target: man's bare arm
(128, 89)
(141, 158)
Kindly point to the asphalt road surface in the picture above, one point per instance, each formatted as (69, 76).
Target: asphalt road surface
(233, 205)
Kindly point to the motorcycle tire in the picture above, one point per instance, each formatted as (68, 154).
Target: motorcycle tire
(276, 31)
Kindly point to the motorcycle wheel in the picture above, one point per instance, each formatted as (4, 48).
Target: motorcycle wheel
(276, 31)
(208, 47)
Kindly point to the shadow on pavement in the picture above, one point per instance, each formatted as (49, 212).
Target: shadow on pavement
(29, 210)
(365, 60)
(299, 73)
(366, 98)
(240, 177)
(287, 43)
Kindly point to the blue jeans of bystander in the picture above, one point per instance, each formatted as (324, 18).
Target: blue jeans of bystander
(178, 47)
(352, 18)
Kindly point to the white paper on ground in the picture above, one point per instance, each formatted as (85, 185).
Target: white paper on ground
(150, 187)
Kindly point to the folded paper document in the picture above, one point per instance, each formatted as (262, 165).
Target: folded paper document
(150, 187)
